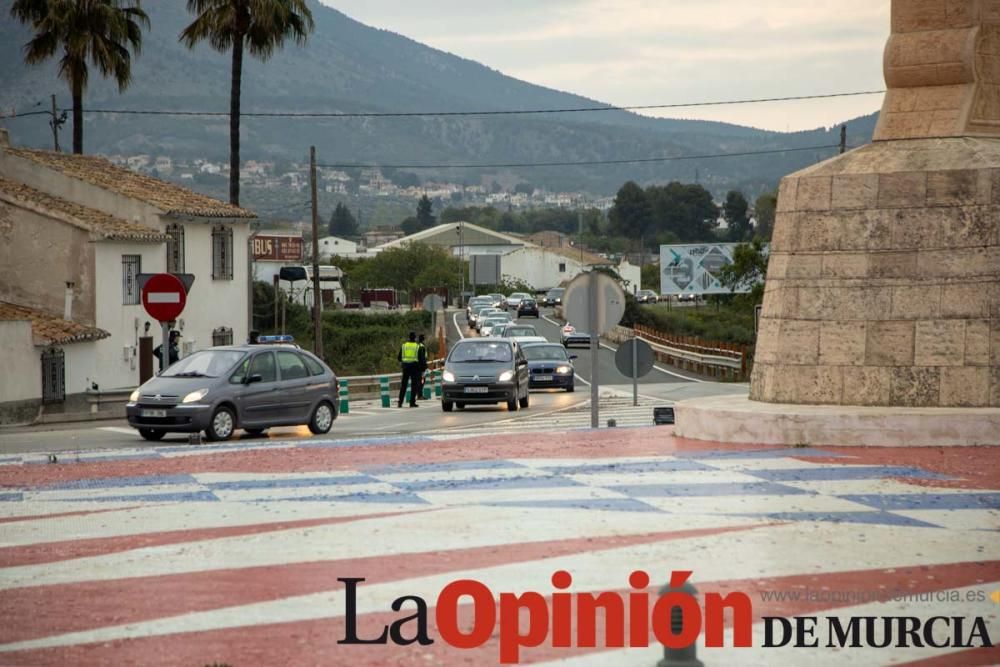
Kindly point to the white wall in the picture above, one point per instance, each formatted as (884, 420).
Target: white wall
(332, 246)
(633, 274)
(20, 363)
(81, 367)
(538, 267)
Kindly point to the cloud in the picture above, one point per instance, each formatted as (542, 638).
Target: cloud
(663, 51)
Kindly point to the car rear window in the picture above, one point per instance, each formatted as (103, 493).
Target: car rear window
(544, 352)
(314, 366)
(291, 366)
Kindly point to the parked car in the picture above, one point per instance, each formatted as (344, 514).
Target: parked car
(570, 337)
(221, 389)
(486, 328)
(527, 307)
(549, 366)
(646, 296)
(554, 297)
(489, 371)
(514, 300)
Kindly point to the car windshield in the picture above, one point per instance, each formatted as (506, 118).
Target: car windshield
(518, 295)
(520, 331)
(207, 363)
(556, 292)
(527, 302)
(480, 351)
(544, 352)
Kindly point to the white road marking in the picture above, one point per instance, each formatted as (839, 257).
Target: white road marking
(454, 318)
(118, 429)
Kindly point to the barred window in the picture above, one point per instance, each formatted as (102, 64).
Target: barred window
(222, 253)
(131, 268)
(175, 249)
(222, 336)
(562, 267)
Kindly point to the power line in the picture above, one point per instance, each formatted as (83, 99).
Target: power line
(26, 113)
(583, 163)
(497, 112)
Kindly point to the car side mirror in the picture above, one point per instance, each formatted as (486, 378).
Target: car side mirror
(522, 362)
(256, 377)
(573, 356)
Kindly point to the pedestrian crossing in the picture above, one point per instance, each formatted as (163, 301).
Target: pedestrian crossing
(619, 409)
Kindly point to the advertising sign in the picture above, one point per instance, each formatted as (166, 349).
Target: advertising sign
(277, 248)
(694, 268)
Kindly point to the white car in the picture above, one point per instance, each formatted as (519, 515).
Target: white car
(514, 300)
(486, 328)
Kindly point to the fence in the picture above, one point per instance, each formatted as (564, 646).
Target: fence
(367, 386)
(724, 361)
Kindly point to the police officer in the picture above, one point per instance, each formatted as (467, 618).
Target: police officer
(412, 357)
(173, 350)
(423, 366)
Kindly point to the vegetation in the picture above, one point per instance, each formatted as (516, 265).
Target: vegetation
(729, 320)
(414, 265)
(342, 222)
(260, 27)
(747, 270)
(98, 33)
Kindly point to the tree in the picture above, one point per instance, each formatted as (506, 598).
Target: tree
(260, 27)
(97, 32)
(631, 214)
(425, 213)
(747, 270)
(763, 210)
(734, 210)
(342, 222)
(410, 225)
(650, 277)
(686, 211)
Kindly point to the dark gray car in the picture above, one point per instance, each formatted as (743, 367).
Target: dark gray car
(485, 370)
(220, 389)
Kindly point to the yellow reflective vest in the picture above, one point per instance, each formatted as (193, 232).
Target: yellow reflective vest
(410, 353)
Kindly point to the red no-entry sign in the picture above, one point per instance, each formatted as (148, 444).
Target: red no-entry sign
(164, 297)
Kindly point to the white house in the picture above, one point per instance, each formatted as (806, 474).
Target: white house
(462, 238)
(77, 232)
(332, 246)
(544, 268)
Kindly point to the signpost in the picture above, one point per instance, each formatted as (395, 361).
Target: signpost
(594, 302)
(634, 359)
(164, 298)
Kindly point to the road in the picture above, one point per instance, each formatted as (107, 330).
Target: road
(368, 420)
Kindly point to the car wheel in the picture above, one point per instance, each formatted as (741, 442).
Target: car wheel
(447, 406)
(222, 425)
(322, 419)
(571, 389)
(460, 406)
(254, 431)
(153, 434)
(512, 405)
(524, 401)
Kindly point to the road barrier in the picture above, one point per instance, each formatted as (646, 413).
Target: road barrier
(724, 361)
(383, 389)
(368, 387)
(345, 398)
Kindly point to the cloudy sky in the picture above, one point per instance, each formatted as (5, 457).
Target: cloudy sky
(630, 52)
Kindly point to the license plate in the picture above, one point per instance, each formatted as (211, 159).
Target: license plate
(476, 390)
(544, 378)
(153, 413)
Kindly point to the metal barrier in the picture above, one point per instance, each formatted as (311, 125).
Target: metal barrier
(371, 386)
(724, 361)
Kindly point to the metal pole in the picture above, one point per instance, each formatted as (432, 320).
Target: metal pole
(164, 347)
(317, 296)
(277, 289)
(635, 371)
(55, 124)
(461, 257)
(595, 394)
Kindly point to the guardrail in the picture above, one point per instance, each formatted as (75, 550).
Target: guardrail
(724, 361)
(368, 387)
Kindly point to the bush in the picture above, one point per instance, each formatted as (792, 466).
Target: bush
(363, 344)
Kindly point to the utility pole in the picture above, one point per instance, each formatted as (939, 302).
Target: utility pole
(843, 139)
(317, 296)
(55, 124)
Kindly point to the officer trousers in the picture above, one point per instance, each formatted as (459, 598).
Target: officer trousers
(411, 375)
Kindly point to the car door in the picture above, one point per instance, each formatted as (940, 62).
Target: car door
(522, 370)
(258, 401)
(294, 383)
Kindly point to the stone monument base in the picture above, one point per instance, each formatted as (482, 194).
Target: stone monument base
(737, 419)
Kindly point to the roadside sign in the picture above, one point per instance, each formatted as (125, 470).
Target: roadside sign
(164, 297)
(606, 295)
(643, 358)
(433, 303)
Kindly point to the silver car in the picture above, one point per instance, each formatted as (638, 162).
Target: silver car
(221, 389)
(485, 370)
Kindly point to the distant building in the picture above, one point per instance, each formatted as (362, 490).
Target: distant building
(378, 236)
(461, 238)
(544, 268)
(332, 246)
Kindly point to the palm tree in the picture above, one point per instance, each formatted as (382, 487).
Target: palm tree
(260, 26)
(99, 32)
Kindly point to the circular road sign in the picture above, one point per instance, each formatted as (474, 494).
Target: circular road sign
(164, 297)
(433, 302)
(594, 289)
(643, 358)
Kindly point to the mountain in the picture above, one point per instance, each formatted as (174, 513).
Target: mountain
(350, 67)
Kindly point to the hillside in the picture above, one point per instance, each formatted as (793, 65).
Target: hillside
(347, 66)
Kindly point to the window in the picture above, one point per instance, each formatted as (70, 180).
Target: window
(131, 268)
(562, 267)
(222, 253)
(291, 366)
(222, 336)
(315, 367)
(175, 249)
(263, 365)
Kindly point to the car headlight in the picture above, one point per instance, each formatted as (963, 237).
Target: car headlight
(134, 396)
(506, 376)
(448, 376)
(195, 396)
(563, 370)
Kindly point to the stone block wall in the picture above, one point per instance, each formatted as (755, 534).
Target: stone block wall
(883, 286)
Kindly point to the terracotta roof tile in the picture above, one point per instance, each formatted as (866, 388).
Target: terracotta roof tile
(100, 224)
(163, 195)
(50, 329)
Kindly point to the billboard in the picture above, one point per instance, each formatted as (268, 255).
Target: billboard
(267, 248)
(693, 268)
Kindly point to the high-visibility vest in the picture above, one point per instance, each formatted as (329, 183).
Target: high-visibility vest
(411, 352)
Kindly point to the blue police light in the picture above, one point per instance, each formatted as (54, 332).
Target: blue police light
(280, 338)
